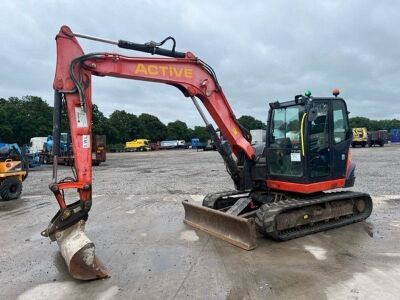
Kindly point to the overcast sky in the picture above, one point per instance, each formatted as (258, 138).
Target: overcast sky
(262, 51)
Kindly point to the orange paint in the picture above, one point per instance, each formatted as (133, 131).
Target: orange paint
(306, 188)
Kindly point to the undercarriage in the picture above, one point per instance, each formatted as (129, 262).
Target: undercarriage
(277, 215)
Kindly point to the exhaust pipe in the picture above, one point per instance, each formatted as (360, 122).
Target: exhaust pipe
(78, 252)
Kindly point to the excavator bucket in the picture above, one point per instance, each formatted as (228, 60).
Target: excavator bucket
(78, 252)
(233, 229)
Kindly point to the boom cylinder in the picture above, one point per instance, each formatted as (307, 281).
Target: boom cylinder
(56, 131)
(223, 148)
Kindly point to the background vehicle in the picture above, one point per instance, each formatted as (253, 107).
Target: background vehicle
(280, 190)
(66, 157)
(155, 146)
(13, 171)
(258, 136)
(46, 154)
(138, 145)
(360, 137)
(173, 144)
(99, 144)
(36, 144)
(209, 146)
(378, 137)
(32, 152)
(196, 144)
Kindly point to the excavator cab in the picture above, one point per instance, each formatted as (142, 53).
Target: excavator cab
(307, 143)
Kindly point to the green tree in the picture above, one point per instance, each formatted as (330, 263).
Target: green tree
(189, 134)
(5, 126)
(177, 130)
(201, 133)
(26, 117)
(153, 128)
(99, 121)
(251, 123)
(123, 127)
(357, 122)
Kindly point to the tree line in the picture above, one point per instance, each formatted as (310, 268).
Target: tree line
(30, 116)
(371, 125)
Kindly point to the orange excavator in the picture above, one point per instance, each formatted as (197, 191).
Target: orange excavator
(280, 188)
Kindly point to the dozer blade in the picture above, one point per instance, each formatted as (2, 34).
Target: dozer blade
(78, 252)
(238, 231)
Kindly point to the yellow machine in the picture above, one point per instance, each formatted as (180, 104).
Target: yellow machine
(13, 171)
(360, 137)
(138, 145)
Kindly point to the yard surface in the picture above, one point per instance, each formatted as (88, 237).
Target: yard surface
(136, 224)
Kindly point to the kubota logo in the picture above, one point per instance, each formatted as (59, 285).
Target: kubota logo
(163, 71)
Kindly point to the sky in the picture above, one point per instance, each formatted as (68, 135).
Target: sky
(261, 51)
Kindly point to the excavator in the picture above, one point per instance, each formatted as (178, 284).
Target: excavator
(282, 189)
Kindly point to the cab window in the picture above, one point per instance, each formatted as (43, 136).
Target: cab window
(284, 147)
(286, 127)
(340, 124)
(319, 130)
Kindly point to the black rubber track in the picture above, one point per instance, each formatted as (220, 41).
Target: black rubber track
(267, 214)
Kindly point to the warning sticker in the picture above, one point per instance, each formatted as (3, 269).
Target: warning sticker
(295, 156)
(81, 119)
(85, 141)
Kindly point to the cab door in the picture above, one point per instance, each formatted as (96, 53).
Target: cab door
(319, 142)
(341, 138)
(284, 158)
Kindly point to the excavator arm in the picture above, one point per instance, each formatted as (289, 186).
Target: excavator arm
(72, 85)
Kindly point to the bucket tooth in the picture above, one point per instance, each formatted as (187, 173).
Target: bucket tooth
(238, 231)
(78, 252)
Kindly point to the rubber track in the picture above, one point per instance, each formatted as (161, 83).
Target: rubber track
(266, 215)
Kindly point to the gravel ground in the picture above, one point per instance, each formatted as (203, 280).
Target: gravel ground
(136, 224)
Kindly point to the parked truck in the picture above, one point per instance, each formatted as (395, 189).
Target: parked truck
(196, 144)
(138, 145)
(173, 144)
(66, 156)
(99, 146)
(378, 137)
(360, 137)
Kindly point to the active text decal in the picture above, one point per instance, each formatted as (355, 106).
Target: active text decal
(163, 70)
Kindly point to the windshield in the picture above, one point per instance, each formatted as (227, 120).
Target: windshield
(285, 126)
(285, 146)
